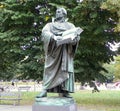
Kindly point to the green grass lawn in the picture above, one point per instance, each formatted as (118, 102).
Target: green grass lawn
(104, 100)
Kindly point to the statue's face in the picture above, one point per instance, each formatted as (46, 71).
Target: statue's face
(59, 13)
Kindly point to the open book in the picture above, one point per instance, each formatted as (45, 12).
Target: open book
(70, 35)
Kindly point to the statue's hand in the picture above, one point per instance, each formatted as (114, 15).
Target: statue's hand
(75, 40)
(57, 37)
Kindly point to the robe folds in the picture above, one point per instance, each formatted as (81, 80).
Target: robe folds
(59, 68)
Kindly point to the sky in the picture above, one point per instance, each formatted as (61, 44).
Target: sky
(115, 46)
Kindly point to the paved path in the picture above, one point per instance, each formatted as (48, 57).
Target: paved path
(28, 108)
(15, 108)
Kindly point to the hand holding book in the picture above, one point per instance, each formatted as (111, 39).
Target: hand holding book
(70, 36)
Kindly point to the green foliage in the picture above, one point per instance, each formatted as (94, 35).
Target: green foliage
(118, 50)
(111, 71)
(93, 49)
(20, 36)
(114, 7)
(98, 32)
(117, 68)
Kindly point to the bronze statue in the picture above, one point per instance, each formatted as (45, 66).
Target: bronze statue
(60, 43)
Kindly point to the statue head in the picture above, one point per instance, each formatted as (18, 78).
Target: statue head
(61, 13)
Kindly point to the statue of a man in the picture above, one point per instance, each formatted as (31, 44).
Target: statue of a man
(58, 71)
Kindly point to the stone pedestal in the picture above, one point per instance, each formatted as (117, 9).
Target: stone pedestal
(54, 104)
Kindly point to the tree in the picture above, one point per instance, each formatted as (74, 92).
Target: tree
(111, 71)
(94, 48)
(117, 67)
(94, 44)
(21, 30)
(20, 36)
(114, 7)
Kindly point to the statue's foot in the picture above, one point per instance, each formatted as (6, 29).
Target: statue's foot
(67, 95)
(42, 94)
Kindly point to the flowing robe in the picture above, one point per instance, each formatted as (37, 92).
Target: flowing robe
(58, 69)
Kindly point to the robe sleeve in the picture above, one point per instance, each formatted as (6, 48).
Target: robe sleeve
(46, 36)
(73, 45)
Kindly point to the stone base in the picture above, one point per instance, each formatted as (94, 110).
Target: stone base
(54, 104)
